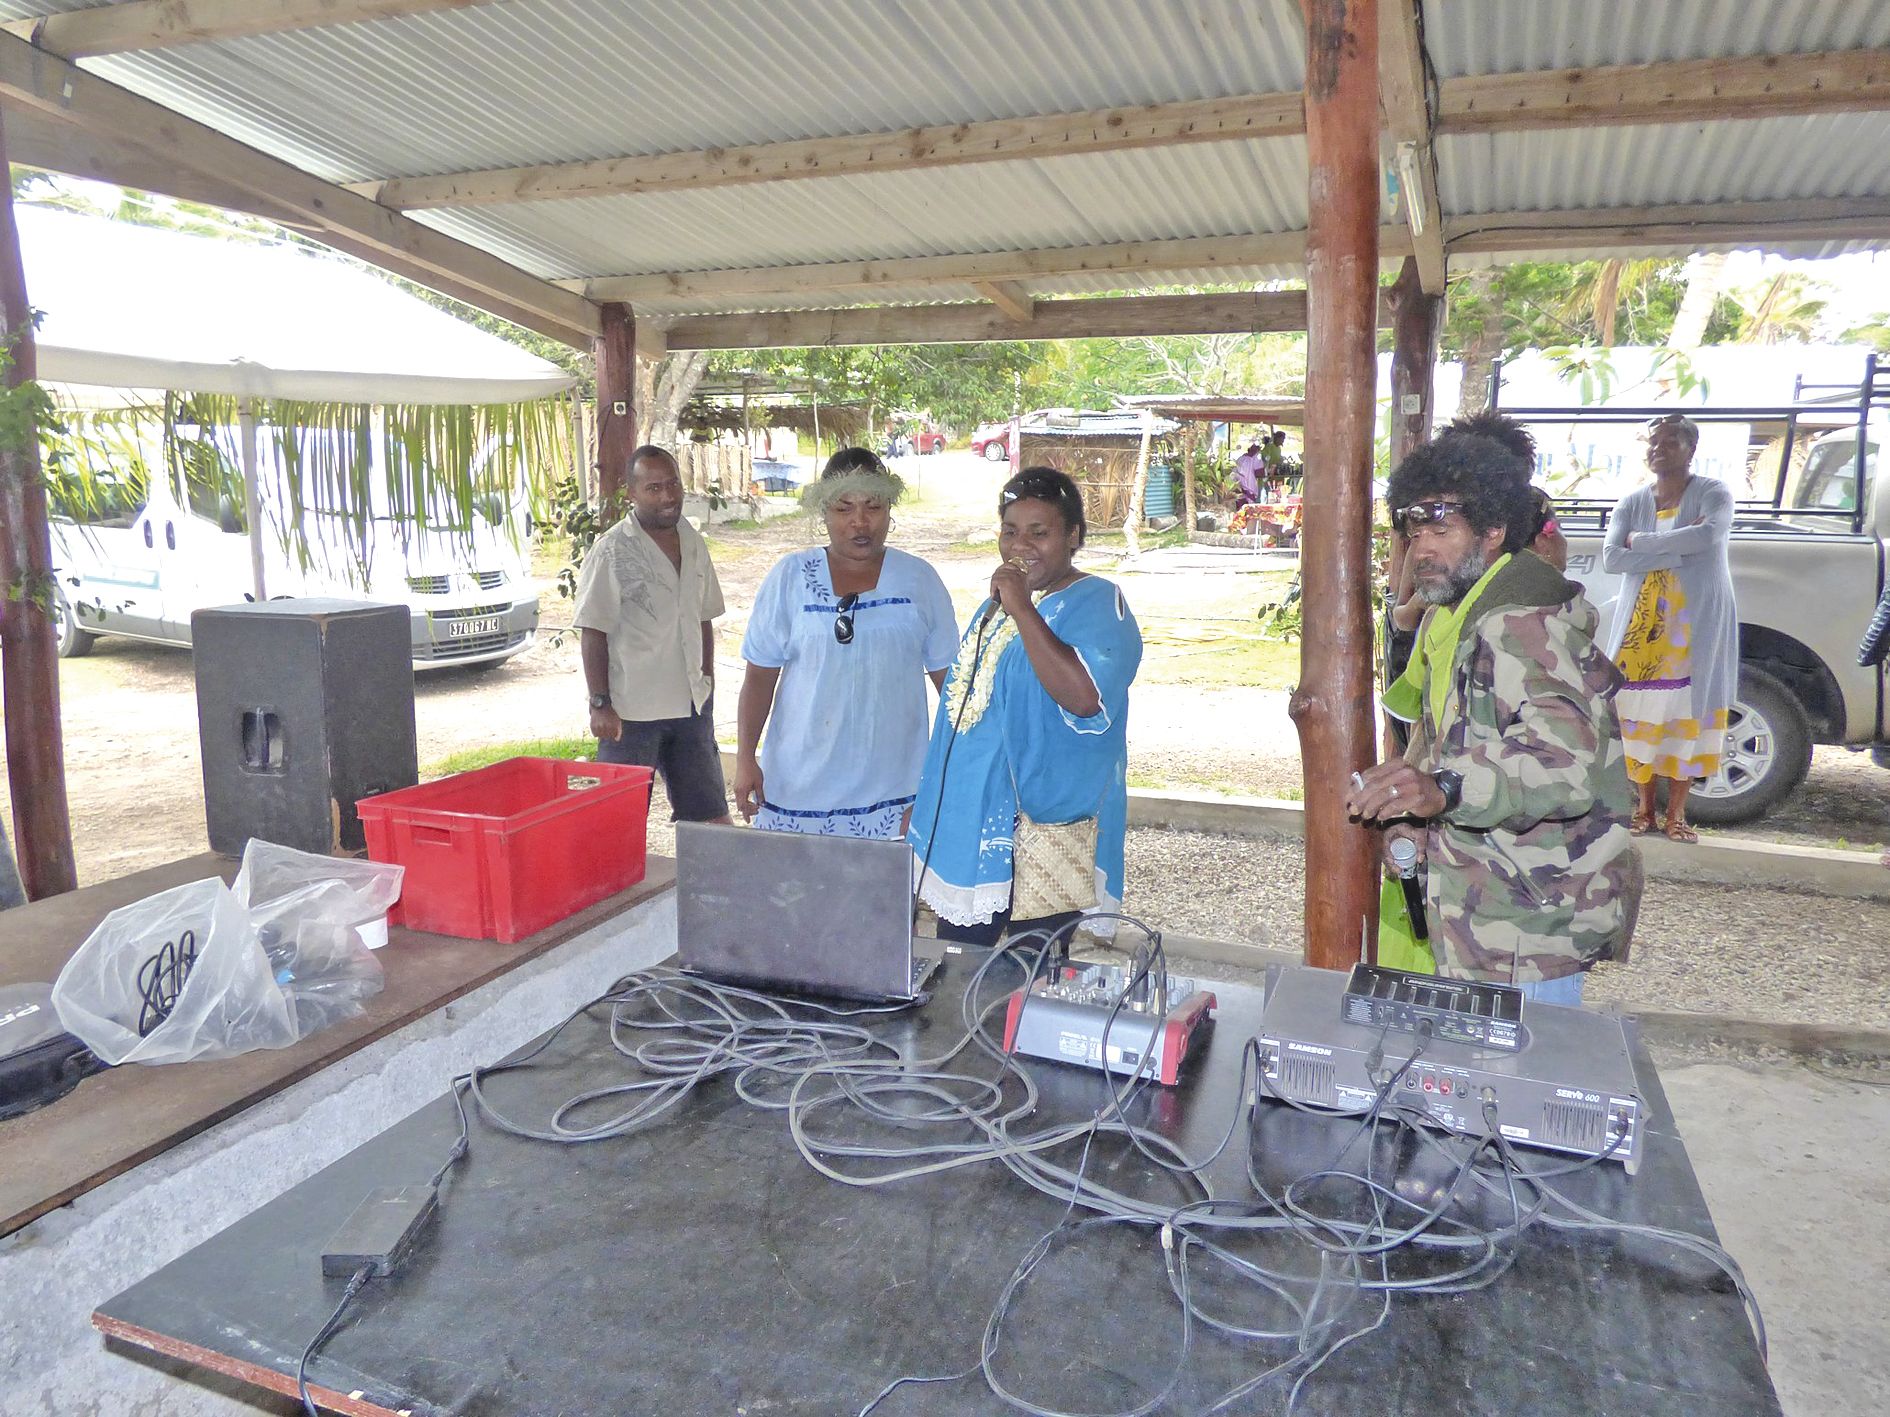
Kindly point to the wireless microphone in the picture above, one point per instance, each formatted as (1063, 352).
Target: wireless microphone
(1404, 858)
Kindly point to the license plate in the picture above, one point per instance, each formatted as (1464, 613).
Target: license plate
(484, 625)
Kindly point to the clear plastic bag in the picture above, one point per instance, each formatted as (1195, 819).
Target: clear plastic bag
(207, 971)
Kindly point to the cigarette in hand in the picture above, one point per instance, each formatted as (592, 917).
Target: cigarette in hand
(1358, 782)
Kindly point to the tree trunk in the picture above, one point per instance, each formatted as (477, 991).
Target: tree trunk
(29, 657)
(1132, 518)
(676, 382)
(1479, 355)
(1706, 273)
(1332, 707)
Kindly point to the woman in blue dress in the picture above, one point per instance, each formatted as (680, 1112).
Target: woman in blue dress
(1034, 719)
(839, 646)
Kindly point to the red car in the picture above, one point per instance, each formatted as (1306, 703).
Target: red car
(992, 441)
(928, 440)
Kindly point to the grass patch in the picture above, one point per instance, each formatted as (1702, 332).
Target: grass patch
(1171, 655)
(466, 759)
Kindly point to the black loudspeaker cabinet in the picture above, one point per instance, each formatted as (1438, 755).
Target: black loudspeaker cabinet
(303, 707)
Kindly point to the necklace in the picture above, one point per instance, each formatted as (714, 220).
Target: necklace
(974, 673)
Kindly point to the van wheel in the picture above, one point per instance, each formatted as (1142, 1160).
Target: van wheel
(70, 639)
(1768, 753)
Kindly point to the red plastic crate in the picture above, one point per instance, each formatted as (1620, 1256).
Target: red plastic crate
(502, 852)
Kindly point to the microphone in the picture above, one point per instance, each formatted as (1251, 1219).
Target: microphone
(1404, 859)
(990, 614)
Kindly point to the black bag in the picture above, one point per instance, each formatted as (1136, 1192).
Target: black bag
(39, 1061)
(1877, 638)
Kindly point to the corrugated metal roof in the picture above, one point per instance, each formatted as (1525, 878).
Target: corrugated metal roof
(1509, 36)
(541, 81)
(1218, 189)
(1830, 155)
(457, 90)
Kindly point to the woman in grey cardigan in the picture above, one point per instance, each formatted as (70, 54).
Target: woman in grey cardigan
(1676, 640)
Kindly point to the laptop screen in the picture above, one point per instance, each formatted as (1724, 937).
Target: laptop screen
(821, 913)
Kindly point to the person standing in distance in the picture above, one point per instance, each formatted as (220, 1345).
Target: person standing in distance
(646, 602)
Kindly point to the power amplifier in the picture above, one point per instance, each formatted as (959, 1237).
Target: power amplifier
(1569, 1086)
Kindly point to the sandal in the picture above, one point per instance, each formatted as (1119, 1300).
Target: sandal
(1641, 823)
(1680, 831)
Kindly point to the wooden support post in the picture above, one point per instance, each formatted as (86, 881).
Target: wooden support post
(1332, 707)
(1416, 318)
(29, 656)
(1187, 482)
(1132, 517)
(616, 359)
(252, 495)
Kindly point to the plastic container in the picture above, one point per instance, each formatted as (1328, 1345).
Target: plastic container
(502, 852)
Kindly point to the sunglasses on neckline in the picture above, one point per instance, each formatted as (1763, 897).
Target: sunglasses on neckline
(843, 621)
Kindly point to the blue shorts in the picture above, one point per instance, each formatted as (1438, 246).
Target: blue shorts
(684, 753)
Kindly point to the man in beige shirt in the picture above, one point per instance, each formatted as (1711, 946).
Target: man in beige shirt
(645, 602)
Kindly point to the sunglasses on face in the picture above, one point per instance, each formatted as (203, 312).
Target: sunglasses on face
(1419, 515)
(843, 622)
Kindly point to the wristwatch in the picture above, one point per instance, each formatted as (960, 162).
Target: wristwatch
(600, 701)
(1451, 785)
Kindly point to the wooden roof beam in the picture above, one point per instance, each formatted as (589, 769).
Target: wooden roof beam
(1198, 253)
(1240, 313)
(1760, 225)
(1404, 94)
(1006, 139)
(31, 79)
(163, 24)
(1008, 296)
(1674, 91)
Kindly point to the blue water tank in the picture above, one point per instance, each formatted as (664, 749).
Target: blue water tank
(1159, 500)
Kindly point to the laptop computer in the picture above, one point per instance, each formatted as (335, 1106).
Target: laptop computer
(821, 915)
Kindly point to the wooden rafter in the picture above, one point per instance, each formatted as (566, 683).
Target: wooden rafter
(162, 24)
(57, 90)
(1676, 91)
(1206, 253)
(1050, 135)
(1404, 96)
(1008, 296)
(968, 324)
(1759, 224)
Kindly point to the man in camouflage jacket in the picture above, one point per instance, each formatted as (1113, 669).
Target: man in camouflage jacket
(1514, 786)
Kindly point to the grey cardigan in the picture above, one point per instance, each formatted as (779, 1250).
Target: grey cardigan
(1696, 550)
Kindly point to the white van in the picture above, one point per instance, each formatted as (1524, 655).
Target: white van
(137, 564)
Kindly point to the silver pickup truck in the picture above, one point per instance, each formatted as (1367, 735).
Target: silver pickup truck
(1807, 570)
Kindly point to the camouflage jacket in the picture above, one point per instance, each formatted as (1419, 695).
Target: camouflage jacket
(1533, 874)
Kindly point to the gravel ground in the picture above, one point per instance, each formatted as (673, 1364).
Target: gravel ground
(1787, 958)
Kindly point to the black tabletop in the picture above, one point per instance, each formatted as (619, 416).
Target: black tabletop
(700, 1265)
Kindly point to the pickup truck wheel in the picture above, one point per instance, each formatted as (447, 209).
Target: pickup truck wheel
(71, 640)
(1768, 753)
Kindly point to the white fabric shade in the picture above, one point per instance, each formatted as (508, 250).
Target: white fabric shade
(138, 307)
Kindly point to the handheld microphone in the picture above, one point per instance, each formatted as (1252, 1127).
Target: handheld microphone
(990, 614)
(1404, 859)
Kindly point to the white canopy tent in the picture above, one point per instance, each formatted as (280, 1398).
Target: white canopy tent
(139, 307)
(130, 312)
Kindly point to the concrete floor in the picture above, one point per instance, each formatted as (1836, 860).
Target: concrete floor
(1796, 1169)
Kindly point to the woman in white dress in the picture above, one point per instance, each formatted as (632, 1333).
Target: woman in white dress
(839, 646)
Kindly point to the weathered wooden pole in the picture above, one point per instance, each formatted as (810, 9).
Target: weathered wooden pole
(1415, 321)
(1187, 481)
(616, 360)
(29, 656)
(1332, 706)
